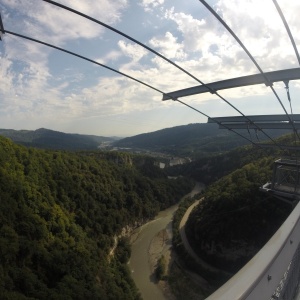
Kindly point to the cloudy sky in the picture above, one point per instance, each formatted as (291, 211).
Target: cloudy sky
(44, 87)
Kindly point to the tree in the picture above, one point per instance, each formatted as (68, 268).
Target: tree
(161, 268)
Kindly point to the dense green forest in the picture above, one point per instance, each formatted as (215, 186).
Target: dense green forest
(235, 219)
(60, 212)
(210, 169)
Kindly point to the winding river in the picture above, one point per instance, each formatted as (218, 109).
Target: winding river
(139, 261)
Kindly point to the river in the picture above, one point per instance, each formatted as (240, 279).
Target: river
(139, 261)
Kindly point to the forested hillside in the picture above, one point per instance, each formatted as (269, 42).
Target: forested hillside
(193, 140)
(59, 213)
(50, 139)
(210, 169)
(235, 219)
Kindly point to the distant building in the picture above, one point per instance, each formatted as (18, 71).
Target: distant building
(162, 165)
(176, 161)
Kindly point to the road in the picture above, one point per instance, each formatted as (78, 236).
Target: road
(186, 243)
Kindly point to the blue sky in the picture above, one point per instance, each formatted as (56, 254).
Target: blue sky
(43, 87)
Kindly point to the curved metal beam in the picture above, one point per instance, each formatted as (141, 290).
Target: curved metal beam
(1, 28)
(148, 48)
(214, 120)
(287, 29)
(267, 82)
(275, 76)
(116, 71)
(124, 35)
(83, 57)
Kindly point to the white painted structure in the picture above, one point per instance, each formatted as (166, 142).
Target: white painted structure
(274, 271)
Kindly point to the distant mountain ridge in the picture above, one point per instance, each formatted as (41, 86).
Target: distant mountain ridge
(198, 139)
(50, 139)
(171, 136)
(193, 140)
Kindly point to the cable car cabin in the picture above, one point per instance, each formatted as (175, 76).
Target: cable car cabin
(286, 180)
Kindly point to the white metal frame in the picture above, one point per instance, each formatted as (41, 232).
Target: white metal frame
(261, 276)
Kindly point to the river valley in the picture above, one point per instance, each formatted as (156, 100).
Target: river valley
(140, 262)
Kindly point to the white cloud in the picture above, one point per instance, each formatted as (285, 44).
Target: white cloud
(133, 51)
(104, 10)
(149, 5)
(263, 33)
(42, 19)
(27, 92)
(111, 56)
(168, 46)
(191, 29)
(211, 54)
(34, 86)
(110, 96)
(219, 56)
(6, 83)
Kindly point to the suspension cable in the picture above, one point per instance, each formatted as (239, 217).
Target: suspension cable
(290, 101)
(1, 28)
(124, 35)
(256, 134)
(249, 131)
(158, 54)
(287, 29)
(82, 57)
(128, 76)
(288, 94)
(267, 82)
(116, 71)
(298, 58)
(123, 74)
(112, 69)
(219, 123)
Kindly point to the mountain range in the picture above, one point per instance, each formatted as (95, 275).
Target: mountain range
(50, 139)
(61, 211)
(192, 140)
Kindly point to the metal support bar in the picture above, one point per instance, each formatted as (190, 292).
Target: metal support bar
(278, 125)
(283, 147)
(282, 75)
(254, 122)
(257, 118)
(1, 28)
(287, 29)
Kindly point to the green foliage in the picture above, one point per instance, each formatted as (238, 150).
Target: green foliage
(161, 268)
(59, 212)
(182, 207)
(123, 251)
(235, 219)
(210, 169)
(193, 140)
(189, 263)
